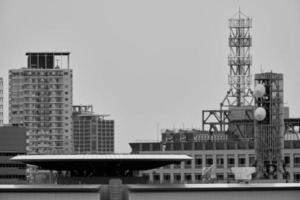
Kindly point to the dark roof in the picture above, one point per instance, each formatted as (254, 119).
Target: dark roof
(49, 53)
(101, 162)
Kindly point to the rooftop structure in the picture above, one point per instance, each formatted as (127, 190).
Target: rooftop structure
(79, 167)
(48, 60)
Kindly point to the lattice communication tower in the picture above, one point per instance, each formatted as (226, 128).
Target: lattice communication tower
(239, 61)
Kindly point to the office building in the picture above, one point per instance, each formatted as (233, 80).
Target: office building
(92, 132)
(12, 143)
(40, 99)
(1, 101)
(211, 150)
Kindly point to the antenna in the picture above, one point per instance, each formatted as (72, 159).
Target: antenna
(239, 62)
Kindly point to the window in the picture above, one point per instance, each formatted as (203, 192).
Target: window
(220, 161)
(251, 160)
(156, 178)
(167, 178)
(188, 164)
(287, 160)
(209, 160)
(187, 178)
(198, 161)
(230, 161)
(241, 160)
(220, 176)
(230, 176)
(198, 178)
(296, 160)
(297, 177)
(177, 178)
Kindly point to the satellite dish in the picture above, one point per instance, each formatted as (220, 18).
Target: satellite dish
(259, 90)
(260, 113)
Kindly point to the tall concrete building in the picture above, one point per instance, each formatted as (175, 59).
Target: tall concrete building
(1, 101)
(92, 132)
(40, 99)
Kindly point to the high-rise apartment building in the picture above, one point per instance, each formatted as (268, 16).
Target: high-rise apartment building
(92, 132)
(1, 101)
(40, 98)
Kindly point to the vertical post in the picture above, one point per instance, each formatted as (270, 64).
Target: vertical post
(45, 61)
(68, 61)
(38, 61)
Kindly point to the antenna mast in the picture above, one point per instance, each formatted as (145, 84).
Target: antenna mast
(239, 61)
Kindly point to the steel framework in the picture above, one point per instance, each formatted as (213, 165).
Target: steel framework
(269, 133)
(239, 61)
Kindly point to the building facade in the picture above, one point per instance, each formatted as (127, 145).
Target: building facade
(12, 143)
(221, 154)
(1, 101)
(40, 99)
(92, 132)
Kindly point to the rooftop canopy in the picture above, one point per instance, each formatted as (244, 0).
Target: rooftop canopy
(112, 164)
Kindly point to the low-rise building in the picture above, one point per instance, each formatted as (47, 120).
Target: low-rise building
(12, 143)
(211, 151)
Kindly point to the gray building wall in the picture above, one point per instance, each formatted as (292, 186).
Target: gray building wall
(12, 143)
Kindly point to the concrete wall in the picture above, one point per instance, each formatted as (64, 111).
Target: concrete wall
(213, 195)
(50, 196)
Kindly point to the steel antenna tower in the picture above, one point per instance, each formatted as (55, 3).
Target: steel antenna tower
(239, 61)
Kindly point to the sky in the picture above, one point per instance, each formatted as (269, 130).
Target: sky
(153, 64)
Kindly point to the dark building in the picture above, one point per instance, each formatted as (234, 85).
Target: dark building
(92, 132)
(12, 143)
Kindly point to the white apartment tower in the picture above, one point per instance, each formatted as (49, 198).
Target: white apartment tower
(40, 98)
(1, 101)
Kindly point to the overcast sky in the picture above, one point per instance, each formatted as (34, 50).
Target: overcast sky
(151, 64)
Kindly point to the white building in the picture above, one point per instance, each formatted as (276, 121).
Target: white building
(40, 98)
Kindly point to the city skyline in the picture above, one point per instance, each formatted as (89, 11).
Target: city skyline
(151, 65)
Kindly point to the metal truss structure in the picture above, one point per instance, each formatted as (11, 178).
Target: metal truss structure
(215, 120)
(239, 61)
(269, 133)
